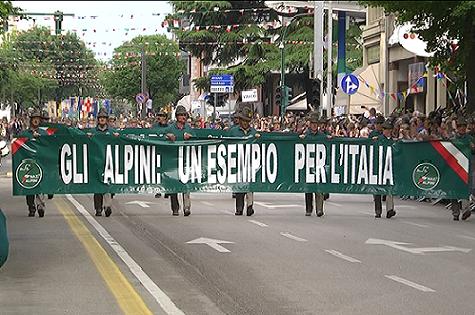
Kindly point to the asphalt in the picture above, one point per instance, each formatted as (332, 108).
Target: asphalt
(279, 261)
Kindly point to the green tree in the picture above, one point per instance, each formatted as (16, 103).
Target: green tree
(164, 68)
(439, 23)
(6, 9)
(38, 66)
(242, 38)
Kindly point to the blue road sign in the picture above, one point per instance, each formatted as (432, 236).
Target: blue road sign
(349, 84)
(223, 83)
(140, 98)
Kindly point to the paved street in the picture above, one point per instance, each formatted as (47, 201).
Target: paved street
(276, 262)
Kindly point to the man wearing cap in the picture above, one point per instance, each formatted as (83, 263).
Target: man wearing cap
(244, 129)
(161, 127)
(313, 133)
(35, 202)
(103, 201)
(385, 137)
(457, 205)
(180, 130)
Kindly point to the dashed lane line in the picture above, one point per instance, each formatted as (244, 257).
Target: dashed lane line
(342, 256)
(416, 224)
(162, 299)
(258, 223)
(467, 237)
(293, 237)
(207, 203)
(410, 283)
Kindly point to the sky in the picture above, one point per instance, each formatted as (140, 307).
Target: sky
(106, 23)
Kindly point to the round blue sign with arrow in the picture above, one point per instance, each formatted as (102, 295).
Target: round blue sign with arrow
(349, 84)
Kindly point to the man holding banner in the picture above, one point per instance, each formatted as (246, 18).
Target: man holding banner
(102, 201)
(35, 202)
(244, 130)
(385, 137)
(456, 204)
(314, 134)
(180, 130)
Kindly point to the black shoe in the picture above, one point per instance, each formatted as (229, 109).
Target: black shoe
(158, 195)
(166, 196)
(41, 212)
(175, 213)
(466, 215)
(390, 214)
(31, 213)
(377, 216)
(319, 213)
(50, 197)
(250, 211)
(456, 217)
(186, 212)
(307, 214)
(234, 195)
(238, 213)
(99, 213)
(108, 211)
(326, 196)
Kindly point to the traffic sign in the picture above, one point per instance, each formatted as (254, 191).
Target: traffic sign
(349, 84)
(249, 96)
(140, 98)
(223, 83)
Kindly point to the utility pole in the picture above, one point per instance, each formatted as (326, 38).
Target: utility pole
(329, 59)
(144, 81)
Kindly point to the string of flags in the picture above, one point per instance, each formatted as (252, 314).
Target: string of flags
(415, 87)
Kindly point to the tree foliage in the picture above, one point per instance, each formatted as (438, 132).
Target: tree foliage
(38, 66)
(247, 43)
(440, 23)
(163, 65)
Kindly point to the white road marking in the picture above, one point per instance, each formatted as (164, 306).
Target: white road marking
(416, 224)
(340, 255)
(467, 237)
(416, 250)
(334, 203)
(143, 204)
(366, 212)
(214, 244)
(207, 203)
(293, 237)
(273, 206)
(410, 283)
(227, 212)
(258, 223)
(162, 299)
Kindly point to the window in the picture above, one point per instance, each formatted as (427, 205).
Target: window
(373, 54)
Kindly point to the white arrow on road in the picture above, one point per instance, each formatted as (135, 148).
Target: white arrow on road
(416, 250)
(143, 204)
(212, 243)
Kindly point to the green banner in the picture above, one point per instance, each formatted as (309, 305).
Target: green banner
(3, 239)
(143, 161)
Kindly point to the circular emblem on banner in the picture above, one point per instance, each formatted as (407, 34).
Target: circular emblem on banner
(28, 174)
(426, 176)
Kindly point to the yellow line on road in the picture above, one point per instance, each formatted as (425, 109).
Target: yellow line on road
(129, 300)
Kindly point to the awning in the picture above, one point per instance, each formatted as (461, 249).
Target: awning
(367, 94)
